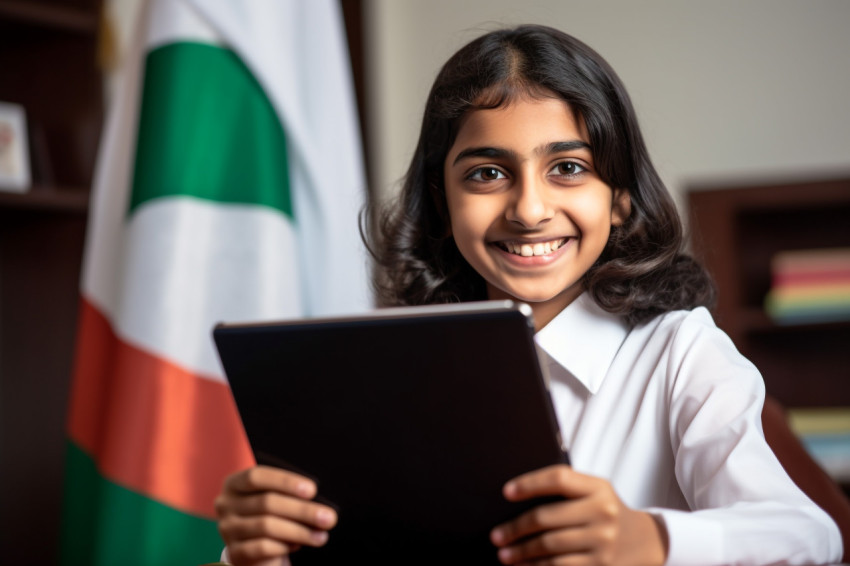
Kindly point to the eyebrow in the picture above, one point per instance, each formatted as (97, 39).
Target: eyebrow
(498, 152)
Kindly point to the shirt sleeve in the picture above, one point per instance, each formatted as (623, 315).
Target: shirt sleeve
(745, 508)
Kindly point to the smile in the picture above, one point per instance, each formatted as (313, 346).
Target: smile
(529, 250)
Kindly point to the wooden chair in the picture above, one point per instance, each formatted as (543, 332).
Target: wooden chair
(804, 470)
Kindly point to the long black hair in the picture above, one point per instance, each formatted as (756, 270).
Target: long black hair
(643, 270)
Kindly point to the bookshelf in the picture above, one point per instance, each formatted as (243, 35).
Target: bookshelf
(736, 231)
(48, 61)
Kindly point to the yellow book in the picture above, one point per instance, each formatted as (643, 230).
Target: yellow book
(822, 420)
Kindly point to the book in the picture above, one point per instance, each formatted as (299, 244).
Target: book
(825, 433)
(809, 286)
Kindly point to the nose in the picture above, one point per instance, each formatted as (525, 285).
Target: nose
(529, 206)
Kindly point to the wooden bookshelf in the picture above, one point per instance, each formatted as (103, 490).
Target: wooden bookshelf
(48, 61)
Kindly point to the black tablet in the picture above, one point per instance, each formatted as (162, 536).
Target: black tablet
(410, 419)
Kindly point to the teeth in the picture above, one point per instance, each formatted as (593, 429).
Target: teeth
(538, 249)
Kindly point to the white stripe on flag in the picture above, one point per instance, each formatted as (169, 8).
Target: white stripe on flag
(192, 263)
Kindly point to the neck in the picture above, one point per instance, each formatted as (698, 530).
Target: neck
(544, 311)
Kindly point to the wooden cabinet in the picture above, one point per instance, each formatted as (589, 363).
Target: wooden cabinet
(736, 232)
(47, 65)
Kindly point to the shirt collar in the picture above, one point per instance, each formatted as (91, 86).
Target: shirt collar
(584, 339)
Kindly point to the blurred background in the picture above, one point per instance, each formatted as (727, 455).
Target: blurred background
(725, 91)
(743, 106)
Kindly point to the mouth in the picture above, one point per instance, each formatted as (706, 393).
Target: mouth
(527, 249)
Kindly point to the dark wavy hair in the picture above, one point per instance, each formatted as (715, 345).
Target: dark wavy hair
(643, 270)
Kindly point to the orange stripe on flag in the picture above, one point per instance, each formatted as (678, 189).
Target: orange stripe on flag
(150, 425)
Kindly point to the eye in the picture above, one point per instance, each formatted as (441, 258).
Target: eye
(568, 169)
(486, 174)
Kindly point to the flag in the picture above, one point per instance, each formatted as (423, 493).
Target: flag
(227, 188)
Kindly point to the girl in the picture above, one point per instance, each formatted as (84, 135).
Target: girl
(531, 181)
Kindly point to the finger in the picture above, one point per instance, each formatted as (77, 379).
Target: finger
(553, 480)
(237, 529)
(258, 551)
(571, 559)
(272, 503)
(602, 506)
(266, 478)
(543, 518)
(550, 545)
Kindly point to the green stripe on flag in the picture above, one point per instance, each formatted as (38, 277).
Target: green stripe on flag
(207, 129)
(105, 524)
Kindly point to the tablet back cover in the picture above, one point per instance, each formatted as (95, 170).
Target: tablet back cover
(410, 420)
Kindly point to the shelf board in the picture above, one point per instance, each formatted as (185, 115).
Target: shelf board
(46, 199)
(768, 198)
(756, 320)
(49, 16)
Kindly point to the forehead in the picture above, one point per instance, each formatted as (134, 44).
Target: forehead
(522, 122)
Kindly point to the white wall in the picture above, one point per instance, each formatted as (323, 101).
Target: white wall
(726, 90)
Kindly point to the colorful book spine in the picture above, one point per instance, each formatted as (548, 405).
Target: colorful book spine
(810, 286)
(825, 432)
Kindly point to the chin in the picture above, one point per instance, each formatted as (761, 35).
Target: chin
(540, 296)
(532, 297)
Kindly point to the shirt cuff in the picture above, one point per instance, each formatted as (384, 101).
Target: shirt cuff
(691, 539)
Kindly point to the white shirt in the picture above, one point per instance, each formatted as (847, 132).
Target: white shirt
(670, 413)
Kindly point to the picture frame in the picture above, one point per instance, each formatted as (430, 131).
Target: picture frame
(14, 149)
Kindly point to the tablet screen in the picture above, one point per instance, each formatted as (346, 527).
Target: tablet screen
(410, 420)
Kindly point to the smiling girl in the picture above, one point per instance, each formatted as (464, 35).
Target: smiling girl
(531, 182)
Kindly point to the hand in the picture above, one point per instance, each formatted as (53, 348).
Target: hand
(592, 526)
(265, 513)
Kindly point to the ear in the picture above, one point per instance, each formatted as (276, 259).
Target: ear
(621, 207)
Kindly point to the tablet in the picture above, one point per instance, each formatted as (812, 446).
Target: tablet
(410, 420)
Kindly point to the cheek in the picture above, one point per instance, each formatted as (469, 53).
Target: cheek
(464, 217)
(469, 230)
(463, 230)
(591, 213)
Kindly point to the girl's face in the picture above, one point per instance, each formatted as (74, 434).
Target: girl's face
(527, 209)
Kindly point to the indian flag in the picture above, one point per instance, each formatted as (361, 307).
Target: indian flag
(227, 189)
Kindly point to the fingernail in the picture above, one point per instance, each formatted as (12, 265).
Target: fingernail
(319, 537)
(303, 490)
(510, 489)
(497, 536)
(505, 554)
(324, 517)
